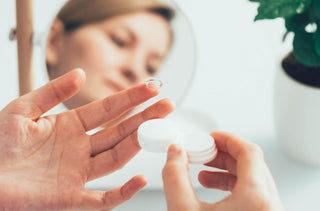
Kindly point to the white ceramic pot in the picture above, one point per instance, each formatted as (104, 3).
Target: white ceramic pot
(297, 118)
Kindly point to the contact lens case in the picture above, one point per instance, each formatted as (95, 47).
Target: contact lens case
(157, 135)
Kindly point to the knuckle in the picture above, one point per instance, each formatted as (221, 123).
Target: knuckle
(258, 151)
(115, 157)
(259, 199)
(145, 115)
(107, 200)
(107, 104)
(255, 149)
(90, 169)
(116, 163)
(230, 184)
(167, 170)
(134, 140)
(121, 130)
(173, 168)
(125, 193)
(17, 105)
(132, 95)
(155, 110)
(59, 93)
(191, 206)
(261, 202)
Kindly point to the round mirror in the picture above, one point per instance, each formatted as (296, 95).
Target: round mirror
(119, 44)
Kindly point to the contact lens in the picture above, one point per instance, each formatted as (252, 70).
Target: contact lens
(153, 83)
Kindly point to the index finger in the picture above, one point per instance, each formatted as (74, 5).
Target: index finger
(248, 156)
(234, 145)
(99, 112)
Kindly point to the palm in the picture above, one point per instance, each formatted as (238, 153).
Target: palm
(46, 161)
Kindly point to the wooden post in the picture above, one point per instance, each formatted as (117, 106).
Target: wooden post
(24, 14)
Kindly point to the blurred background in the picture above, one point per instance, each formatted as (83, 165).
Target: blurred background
(236, 62)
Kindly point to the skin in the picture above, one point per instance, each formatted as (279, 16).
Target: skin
(116, 53)
(45, 161)
(245, 174)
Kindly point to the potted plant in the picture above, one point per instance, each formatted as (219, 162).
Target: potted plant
(297, 83)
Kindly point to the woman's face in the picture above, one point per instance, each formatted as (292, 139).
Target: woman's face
(116, 53)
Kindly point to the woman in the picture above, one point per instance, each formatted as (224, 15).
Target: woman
(119, 43)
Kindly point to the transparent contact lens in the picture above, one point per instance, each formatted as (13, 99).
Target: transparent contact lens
(153, 83)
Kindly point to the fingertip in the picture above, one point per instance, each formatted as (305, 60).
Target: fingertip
(224, 135)
(141, 92)
(142, 180)
(177, 155)
(71, 82)
(133, 186)
(79, 76)
(137, 183)
(174, 150)
(216, 133)
(221, 138)
(202, 178)
(153, 83)
(171, 104)
(160, 109)
(151, 89)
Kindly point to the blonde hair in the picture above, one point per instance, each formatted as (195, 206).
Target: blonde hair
(76, 13)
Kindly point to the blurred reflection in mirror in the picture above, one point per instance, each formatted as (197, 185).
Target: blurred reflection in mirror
(118, 43)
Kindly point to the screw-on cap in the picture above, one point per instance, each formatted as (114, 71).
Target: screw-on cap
(158, 134)
(200, 147)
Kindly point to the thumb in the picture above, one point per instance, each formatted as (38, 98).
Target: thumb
(176, 180)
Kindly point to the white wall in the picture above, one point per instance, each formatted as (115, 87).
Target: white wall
(8, 70)
(235, 65)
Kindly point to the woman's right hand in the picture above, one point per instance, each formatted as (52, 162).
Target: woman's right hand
(246, 175)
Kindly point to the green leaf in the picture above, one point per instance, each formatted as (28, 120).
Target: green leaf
(316, 37)
(270, 9)
(297, 22)
(316, 8)
(304, 49)
(284, 37)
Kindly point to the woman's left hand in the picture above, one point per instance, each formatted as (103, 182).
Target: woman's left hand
(46, 161)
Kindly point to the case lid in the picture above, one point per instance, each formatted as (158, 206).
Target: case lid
(158, 134)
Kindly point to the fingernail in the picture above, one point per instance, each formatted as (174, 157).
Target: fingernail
(174, 149)
(153, 83)
(81, 71)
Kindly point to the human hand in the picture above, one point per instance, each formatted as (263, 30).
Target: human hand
(46, 161)
(246, 175)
